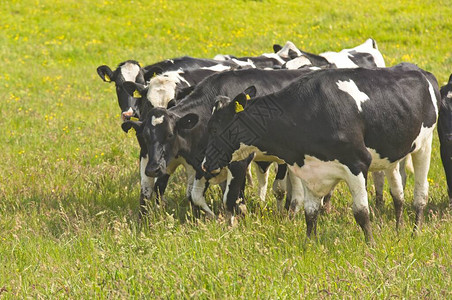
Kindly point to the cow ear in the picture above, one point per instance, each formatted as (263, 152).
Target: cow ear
(277, 48)
(182, 93)
(450, 79)
(171, 103)
(105, 73)
(292, 54)
(187, 122)
(134, 89)
(151, 72)
(250, 92)
(127, 125)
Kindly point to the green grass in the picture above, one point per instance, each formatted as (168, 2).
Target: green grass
(69, 182)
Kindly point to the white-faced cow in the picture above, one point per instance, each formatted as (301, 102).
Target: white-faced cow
(173, 133)
(445, 133)
(338, 124)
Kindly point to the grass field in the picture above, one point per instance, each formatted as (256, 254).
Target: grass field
(69, 182)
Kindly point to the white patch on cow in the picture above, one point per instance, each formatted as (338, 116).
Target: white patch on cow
(274, 56)
(449, 94)
(147, 183)
(221, 57)
(433, 97)
(130, 71)
(197, 196)
(219, 177)
(423, 137)
(127, 113)
(284, 52)
(262, 180)
(162, 88)
(340, 59)
(156, 121)
(298, 62)
(217, 68)
(350, 88)
(245, 150)
(320, 176)
(247, 63)
(378, 163)
(314, 68)
(228, 182)
(297, 192)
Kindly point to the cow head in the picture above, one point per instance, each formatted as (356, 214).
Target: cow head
(161, 91)
(163, 133)
(129, 70)
(220, 146)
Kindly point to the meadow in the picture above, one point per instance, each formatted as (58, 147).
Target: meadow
(69, 181)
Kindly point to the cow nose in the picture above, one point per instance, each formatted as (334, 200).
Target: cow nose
(152, 171)
(127, 114)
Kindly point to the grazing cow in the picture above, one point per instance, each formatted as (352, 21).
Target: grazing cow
(169, 134)
(338, 124)
(131, 70)
(365, 55)
(445, 133)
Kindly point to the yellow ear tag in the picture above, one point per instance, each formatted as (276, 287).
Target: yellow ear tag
(248, 97)
(133, 119)
(155, 74)
(107, 78)
(238, 107)
(136, 94)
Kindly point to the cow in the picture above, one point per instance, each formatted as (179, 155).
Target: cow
(445, 133)
(338, 124)
(131, 70)
(168, 86)
(168, 133)
(365, 55)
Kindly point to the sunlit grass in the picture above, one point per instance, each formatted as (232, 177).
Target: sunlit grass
(69, 182)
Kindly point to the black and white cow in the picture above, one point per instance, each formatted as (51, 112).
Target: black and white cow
(131, 70)
(365, 55)
(445, 133)
(169, 134)
(335, 125)
(168, 86)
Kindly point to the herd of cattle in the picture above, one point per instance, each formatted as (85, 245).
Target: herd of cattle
(322, 118)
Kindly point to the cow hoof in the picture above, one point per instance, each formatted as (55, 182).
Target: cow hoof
(242, 209)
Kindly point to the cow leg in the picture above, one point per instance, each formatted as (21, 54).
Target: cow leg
(159, 187)
(235, 188)
(249, 176)
(280, 186)
(379, 182)
(396, 188)
(297, 193)
(147, 186)
(197, 196)
(360, 207)
(421, 164)
(262, 171)
(190, 173)
(311, 211)
(326, 202)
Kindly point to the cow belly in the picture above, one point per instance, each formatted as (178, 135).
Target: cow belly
(320, 176)
(379, 163)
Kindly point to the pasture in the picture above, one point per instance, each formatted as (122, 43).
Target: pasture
(69, 180)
